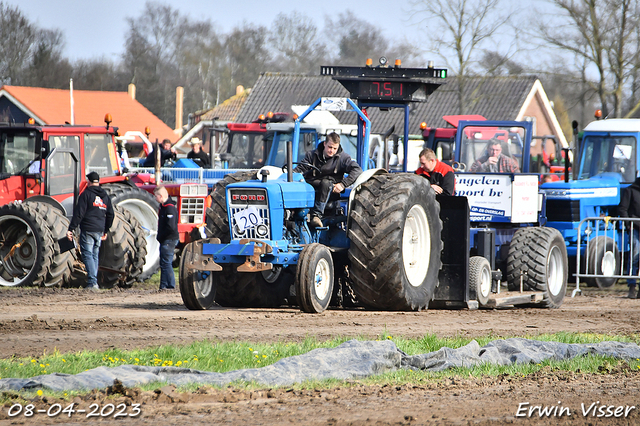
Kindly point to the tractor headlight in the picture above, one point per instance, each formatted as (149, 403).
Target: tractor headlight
(238, 231)
(262, 230)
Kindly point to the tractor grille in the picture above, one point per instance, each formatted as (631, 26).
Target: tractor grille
(240, 199)
(192, 210)
(563, 210)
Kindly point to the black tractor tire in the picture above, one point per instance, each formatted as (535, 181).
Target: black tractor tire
(267, 289)
(118, 252)
(25, 232)
(602, 250)
(479, 279)
(539, 256)
(144, 207)
(197, 288)
(138, 256)
(217, 220)
(314, 278)
(395, 234)
(59, 273)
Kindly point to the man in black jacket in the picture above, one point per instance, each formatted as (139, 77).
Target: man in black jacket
(167, 152)
(197, 154)
(630, 207)
(333, 164)
(94, 215)
(167, 236)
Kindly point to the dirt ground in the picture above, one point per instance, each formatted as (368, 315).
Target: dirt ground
(35, 320)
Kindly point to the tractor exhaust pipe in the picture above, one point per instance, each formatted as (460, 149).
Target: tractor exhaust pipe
(289, 161)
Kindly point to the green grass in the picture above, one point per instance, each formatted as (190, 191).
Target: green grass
(228, 356)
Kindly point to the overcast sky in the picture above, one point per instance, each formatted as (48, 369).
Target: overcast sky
(97, 28)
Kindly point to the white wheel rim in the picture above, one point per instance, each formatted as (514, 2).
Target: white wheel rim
(148, 219)
(608, 265)
(30, 241)
(555, 271)
(485, 282)
(322, 276)
(203, 287)
(416, 245)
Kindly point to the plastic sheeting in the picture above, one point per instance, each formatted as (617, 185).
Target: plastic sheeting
(351, 360)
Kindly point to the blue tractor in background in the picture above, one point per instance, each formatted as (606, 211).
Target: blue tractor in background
(582, 208)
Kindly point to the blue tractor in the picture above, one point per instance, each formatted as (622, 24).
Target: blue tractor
(506, 237)
(381, 238)
(581, 208)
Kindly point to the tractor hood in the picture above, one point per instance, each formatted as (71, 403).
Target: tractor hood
(600, 190)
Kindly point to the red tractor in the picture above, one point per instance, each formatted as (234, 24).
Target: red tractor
(42, 170)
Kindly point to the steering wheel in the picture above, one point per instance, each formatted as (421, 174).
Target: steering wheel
(284, 168)
(459, 167)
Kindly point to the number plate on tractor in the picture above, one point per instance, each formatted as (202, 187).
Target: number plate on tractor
(247, 218)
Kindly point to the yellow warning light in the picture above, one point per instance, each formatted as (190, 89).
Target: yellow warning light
(32, 121)
(423, 125)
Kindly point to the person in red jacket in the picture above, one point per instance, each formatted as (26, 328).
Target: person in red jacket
(440, 175)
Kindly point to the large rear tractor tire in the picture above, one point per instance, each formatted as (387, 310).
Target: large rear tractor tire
(314, 278)
(217, 220)
(59, 274)
(144, 208)
(538, 256)
(394, 229)
(26, 246)
(197, 288)
(119, 252)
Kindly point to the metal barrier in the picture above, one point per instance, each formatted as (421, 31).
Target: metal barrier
(188, 175)
(612, 246)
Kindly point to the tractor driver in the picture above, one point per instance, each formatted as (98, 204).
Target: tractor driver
(494, 161)
(331, 164)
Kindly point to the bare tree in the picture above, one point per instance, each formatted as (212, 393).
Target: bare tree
(247, 55)
(296, 43)
(458, 29)
(601, 32)
(356, 39)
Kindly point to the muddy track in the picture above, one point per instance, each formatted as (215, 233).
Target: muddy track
(38, 320)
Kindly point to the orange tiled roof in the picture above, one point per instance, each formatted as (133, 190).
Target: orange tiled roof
(53, 107)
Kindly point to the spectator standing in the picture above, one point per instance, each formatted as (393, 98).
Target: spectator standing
(94, 214)
(630, 207)
(440, 175)
(167, 236)
(197, 154)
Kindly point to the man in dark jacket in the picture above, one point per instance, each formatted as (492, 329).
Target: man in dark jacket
(197, 154)
(167, 152)
(333, 164)
(630, 207)
(167, 236)
(94, 215)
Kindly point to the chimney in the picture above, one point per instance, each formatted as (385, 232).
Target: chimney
(132, 91)
(179, 99)
(239, 89)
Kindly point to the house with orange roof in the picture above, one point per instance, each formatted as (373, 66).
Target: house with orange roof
(53, 106)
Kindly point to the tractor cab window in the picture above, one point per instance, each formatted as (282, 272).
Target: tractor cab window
(61, 165)
(247, 151)
(478, 144)
(18, 153)
(307, 143)
(608, 154)
(445, 150)
(99, 155)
